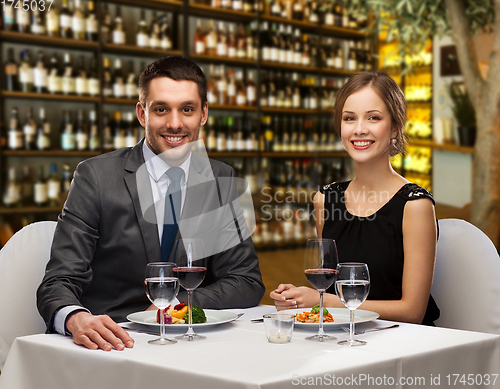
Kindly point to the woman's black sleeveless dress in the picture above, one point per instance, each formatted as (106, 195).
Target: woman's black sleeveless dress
(376, 240)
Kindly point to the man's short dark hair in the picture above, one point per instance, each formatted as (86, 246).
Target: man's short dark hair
(176, 68)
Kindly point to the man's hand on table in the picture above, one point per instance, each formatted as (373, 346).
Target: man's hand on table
(98, 332)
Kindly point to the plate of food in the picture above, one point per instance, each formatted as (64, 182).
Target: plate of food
(334, 318)
(175, 317)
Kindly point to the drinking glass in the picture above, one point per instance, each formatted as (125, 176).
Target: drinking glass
(320, 268)
(352, 288)
(162, 285)
(191, 267)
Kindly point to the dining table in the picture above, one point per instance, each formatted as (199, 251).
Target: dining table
(237, 354)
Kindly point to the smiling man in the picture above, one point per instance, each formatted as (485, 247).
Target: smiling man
(105, 237)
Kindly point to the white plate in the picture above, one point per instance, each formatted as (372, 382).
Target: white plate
(214, 317)
(340, 317)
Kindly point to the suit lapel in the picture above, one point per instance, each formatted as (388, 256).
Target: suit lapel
(136, 176)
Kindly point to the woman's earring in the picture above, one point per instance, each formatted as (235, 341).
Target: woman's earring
(393, 141)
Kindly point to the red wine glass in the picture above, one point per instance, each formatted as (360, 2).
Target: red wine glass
(191, 267)
(320, 268)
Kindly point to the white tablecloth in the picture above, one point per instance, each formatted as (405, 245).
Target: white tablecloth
(237, 355)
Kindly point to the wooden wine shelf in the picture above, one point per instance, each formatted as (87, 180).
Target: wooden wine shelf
(232, 154)
(50, 153)
(223, 60)
(167, 5)
(33, 39)
(223, 107)
(338, 72)
(438, 146)
(31, 209)
(208, 11)
(137, 51)
(321, 154)
(49, 96)
(298, 111)
(289, 67)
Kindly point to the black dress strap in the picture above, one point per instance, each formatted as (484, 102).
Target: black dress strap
(412, 191)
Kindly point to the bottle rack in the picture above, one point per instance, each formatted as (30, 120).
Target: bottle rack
(182, 13)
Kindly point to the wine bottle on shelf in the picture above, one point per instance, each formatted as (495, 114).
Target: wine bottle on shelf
(252, 40)
(265, 41)
(274, 44)
(94, 137)
(108, 141)
(43, 132)
(15, 139)
(199, 38)
(107, 89)
(329, 15)
(118, 80)
(221, 40)
(247, 6)
(38, 22)
(130, 132)
(54, 81)
(231, 42)
(69, 76)
(91, 24)
(352, 63)
(119, 139)
(81, 80)
(68, 138)
(250, 136)
(231, 88)
(25, 72)
(154, 33)
(40, 189)
(227, 4)
(93, 83)
(230, 135)
(165, 33)
(9, 19)
(78, 21)
(52, 22)
(296, 96)
(285, 136)
(297, 47)
(339, 57)
(275, 8)
(241, 42)
(142, 36)
(11, 71)
(211, 143)
(211, 85)
(211, 39)
(241, 91)
(53, 187)
(118, 33)
(240, 136)
(12, 195)
(65, 21)
(81, 132)
(271, 91)
(221, 134)
(263, 98)
(306, 59)
(278, 135)
(106, 36)
(337, 14)
(22, 19)
(251, 90)
(222, 86)
(131, 82)
(66, 179)
(40, 73)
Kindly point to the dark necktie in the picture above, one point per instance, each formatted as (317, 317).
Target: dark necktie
(172, 211)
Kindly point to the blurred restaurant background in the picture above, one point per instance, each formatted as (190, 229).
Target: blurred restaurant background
(69, 89)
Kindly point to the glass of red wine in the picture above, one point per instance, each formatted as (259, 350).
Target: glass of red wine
(191, 267)
(320, 268)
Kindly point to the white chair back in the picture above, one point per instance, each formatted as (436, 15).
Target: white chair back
(466, 283)
(22, 267)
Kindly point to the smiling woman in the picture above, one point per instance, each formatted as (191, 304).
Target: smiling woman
(379, 217)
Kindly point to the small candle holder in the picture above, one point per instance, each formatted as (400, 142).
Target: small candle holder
(279, 327)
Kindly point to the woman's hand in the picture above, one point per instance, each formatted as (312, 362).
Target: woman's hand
(288, 296)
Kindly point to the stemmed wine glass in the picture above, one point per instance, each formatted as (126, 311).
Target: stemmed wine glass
(320, 268)
(191, 267)
(352, 288)
(162, 285)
